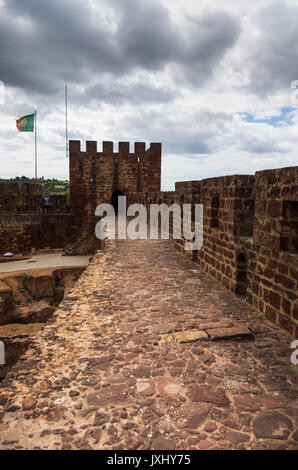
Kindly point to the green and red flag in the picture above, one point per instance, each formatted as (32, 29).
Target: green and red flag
(26, 123)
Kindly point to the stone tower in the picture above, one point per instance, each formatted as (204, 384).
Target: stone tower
(99, 177)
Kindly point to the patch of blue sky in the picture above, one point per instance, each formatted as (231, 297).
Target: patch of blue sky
(284, 118)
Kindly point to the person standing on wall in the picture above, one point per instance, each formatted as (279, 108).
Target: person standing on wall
(45, 205)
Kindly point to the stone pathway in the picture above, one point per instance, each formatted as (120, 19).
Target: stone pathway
(52, 260)
(107, 373)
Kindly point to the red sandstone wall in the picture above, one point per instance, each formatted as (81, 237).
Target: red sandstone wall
(228, 218)
(274, 279)
(58, 204)
(250, 236)
(19, 233)
(20, 198)
(22, 226)
(25, 198)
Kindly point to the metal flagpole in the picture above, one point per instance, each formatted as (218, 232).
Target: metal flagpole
(66, 129)
(35, 129)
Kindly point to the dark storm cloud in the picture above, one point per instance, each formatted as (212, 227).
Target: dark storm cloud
(146, 34)
(274, 62)
(150, 39)
(42, 42)
(208, 38)
(119, 93)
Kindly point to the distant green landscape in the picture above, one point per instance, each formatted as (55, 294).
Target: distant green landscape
(50, 186)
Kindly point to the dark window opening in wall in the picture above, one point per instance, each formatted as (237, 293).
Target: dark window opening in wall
(181, 206)
(289, 227)
(214, 211)
(245, 226)
(114, 199)
(241, 274)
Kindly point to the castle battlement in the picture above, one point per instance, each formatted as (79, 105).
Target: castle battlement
(108, 148)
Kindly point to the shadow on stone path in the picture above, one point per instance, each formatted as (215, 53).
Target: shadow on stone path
(99, 377)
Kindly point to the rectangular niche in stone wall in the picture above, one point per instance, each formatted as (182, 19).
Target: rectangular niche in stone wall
(289, 227)
(214, 211)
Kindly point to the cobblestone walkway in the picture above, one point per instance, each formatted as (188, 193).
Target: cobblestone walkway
(102, 375)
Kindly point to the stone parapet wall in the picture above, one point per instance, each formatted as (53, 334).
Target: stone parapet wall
(20, 233)
(25, 198)
(20, 197)
(250, 236)
(275, 246)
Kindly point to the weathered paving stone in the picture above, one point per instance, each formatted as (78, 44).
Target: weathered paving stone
(12, 409)
(101, 363)
(190, 336)
(56, 414)
(28, 403)
(145, 387)
(272, 425)
(161, 443)
(210, 427)
(114, 393)
(45, 432)
(3, 400)
(270, 402)
(196, 416)
(100, 419)
(90, 381)
(225, 333)
(168, 385)
(207, 394)
(205, 444)
(141, 372)
(8, 443)
(236, 437)
(44, 385)
(246, 403)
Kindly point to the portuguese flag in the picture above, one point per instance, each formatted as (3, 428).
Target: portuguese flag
(26, 123)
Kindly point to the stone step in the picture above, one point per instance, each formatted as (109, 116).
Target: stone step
(227, 333)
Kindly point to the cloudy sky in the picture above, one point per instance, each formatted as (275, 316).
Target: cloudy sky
(210, 79)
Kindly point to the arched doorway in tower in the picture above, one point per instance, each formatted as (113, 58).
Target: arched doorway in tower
(114, 199)
(241, 274)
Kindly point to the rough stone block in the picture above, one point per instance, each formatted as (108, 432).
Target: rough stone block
(226, 333)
